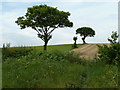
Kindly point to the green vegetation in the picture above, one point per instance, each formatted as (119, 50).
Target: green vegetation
(75, 44)
(56, 68)
(44, 19)
(113, 38)
(110, 54)
(85, 32)
(17, 52)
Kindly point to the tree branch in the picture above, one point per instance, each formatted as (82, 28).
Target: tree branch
(41, 36)
(53, 29)
(35, 29)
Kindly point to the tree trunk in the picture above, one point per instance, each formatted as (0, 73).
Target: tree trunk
(75, 45)
(75, 42)
(84, 40)
(45, 45)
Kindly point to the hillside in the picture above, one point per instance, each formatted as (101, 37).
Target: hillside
(31, 67)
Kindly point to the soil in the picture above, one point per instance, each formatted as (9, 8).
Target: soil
(88, 51)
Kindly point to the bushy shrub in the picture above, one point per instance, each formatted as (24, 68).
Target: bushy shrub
(110, 54)
(45, 55)
(113, 38)
(15, 52)
(74, 45)
(54, 55)
(75, 58)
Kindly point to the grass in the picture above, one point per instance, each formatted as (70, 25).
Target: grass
(101, 75)
(44, 74)
(56, 68)
(63, 47)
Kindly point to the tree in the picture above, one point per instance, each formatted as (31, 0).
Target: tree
(114, 37)
(75, 45)
(110, 54)
(44, 19)
(85, 32)
(3, 45)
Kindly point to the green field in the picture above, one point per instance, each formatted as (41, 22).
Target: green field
(63, 47)
(31, 67)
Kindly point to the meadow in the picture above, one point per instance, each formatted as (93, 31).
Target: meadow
(31, 67)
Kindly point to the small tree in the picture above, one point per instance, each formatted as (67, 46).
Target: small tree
(44, 19)
(85, 32)
(3, 45)
(110, 54)
(114, 37)
(75, 45)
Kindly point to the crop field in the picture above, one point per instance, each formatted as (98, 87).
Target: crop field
(31, 67)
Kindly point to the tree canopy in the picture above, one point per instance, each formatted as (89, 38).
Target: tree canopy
(44, 19)
(85, 32)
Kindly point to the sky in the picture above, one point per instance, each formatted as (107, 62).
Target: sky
(100, 16)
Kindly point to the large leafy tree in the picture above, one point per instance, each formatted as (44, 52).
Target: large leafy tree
(44, 19)
(85, 32)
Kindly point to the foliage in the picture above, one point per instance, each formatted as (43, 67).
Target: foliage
(110, 54)
(44, 19)
(114, 37)
(74, 38)
(56, 69)
(74, 45)
(85, 32)
(75, 58)
(15, 52)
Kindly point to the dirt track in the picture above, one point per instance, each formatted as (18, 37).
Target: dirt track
(87, 51)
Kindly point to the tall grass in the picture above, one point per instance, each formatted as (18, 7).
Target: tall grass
(57, 68)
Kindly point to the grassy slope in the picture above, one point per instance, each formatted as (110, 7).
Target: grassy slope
(53, 70)
(64, 47)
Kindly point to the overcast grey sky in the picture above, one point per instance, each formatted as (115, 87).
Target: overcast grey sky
(101, 16)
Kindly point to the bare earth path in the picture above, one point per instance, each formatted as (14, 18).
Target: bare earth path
(87, 51)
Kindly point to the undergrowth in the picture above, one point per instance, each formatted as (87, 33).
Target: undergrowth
(56, 69)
